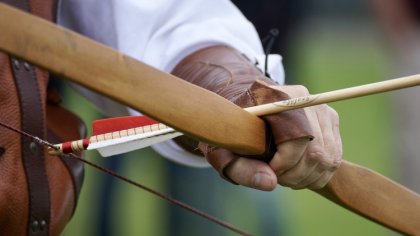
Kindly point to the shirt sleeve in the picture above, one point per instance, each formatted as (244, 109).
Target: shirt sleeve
(163, 32)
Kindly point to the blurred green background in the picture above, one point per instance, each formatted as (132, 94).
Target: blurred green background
(334, 44)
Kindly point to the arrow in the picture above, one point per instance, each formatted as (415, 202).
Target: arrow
(336, 95)
(124, 134)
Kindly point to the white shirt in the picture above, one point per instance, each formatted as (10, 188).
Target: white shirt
(161, 33)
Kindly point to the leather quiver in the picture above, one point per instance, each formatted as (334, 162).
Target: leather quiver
(38, 192)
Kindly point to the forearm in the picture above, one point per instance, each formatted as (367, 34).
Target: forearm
(220, 69)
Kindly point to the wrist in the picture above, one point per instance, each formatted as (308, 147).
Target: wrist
(220, 69)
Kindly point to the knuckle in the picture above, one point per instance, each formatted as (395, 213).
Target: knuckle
(331, 112)
(295, 90)
(283, 162)
(286, 165)
(300, 176)
(334, 114)
(316, 155)
(337, 159)
(302, 90)
(336, 164)
(292, 181)
(327, 160)
(280, 169)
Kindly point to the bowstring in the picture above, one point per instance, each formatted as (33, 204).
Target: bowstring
(132, 182)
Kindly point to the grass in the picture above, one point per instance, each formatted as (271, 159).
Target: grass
(333, 60)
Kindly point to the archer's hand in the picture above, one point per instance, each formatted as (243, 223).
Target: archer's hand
(298, 162)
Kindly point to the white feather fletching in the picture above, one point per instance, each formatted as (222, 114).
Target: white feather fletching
(133, 142)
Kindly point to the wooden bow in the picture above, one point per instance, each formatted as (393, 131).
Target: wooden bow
(211, 119)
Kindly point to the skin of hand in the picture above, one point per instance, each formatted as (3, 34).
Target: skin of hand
(300, 163)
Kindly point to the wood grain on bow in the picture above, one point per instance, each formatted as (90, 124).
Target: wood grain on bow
(121, 77)
(211, 118)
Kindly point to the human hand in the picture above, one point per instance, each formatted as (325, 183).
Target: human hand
(310, 164)
(298, 162)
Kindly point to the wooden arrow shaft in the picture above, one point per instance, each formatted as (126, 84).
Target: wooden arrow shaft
(190, 109)
(336, 95)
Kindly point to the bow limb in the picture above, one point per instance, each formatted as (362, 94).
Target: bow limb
(133, 83)
(375, 197)
(214, 120)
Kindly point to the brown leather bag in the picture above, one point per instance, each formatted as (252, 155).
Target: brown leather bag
(38, 192)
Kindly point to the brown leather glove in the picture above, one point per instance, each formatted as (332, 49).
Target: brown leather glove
(227, 72)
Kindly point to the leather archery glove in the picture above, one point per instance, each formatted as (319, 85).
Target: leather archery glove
(230, 74)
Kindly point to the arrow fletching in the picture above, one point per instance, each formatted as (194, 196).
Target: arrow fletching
(119, 135)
